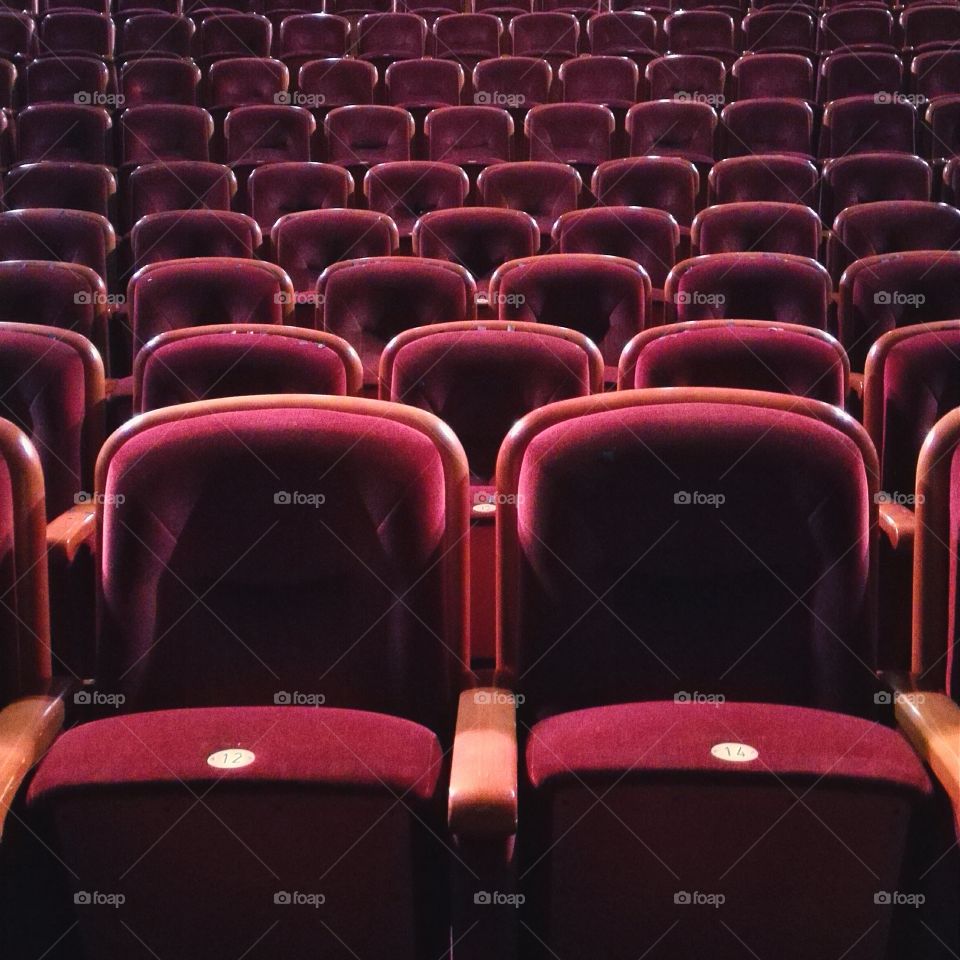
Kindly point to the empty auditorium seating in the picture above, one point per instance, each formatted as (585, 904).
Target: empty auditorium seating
(267, 133)
(338, 82)
(768, 125)
(77, 32)
(605, 80)
(759, 226)
(306, 243)
(709, 32)
(672, 128)
(159, 80)
(665, 183)
(361, 136)
(177, 185)
(81, 80)
(204, 363)
(276, 189)
(244, 81)
(234, 35)
(867, 124)
(203, 291)
(405, 190)
(936, 73)
(686, 76)
(780, 31)
(580, 134)
(51, 387)
(868, 177)
(311, 36)
(648, 236)
(73, 236)
(383, 38)
(750, 286)
(59, 131)
(482, 377)
(73, 186)
(469, 136)
(183, 234)
(478, 238)
(773, 75)
(606, 298)
(890, 226)
(544, 190)
(885, 292)
(859, 72)
(740, 354)
(369, 301)
(423, 84)
(853, 27)
(164, 132)
(553, 37)
(623, 33)
(156, 34)
(774, 178)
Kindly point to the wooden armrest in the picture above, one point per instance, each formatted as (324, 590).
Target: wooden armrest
(72, 530)
(931, 722)
(856, 385)
(483, 774)
(898, 523)
(27, 729)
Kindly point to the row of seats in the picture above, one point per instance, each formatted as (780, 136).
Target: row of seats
(305, 788)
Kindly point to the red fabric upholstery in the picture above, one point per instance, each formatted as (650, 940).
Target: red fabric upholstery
(165, 132)
(758, 226)
(178, 185)
(774, 74)
(404, 191)
(243, 81)
(74, 186)
(686, 76)
(423, 84)
(672, 128)
(866, 125)
(665, 183)
(469, 135)
(280, 188)
(768, 126)
(855, 73)
(159, 80)
(60, 79)
(608, 81)
(365, 135)
(262, 134)
(157, 34)
(340, 81)
(773, 178)
(60, 131)
(868, 177)
(520, 81)
(181, 234)
(544, 190)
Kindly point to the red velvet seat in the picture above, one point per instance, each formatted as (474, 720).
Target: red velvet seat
(245, 81)
(670, 128)
(18, 36)
(860, 72)
(51, 387)
(73, 186)
(752, 286)
(544, 190)
(404, 191)
(665, 183)
(605, 80)
(159, 80)
(80, 80)
(71, 236)
(739, 354)
(930, 26)
(206, 291)
(370, 301)
(607, 298)
(645, 235)
(165, 132)
(312, 36)
(206, 363)
(885, 292)
(478, 238)
(365, 135)
(156, 34)
(469, 136)
(480, 378)
(936, 73)
(67, 132)
(234, 35)
(338, 82)
(623, 33)
(184, 234)
(757, 226)
(788, 75)
(77, 32)
(857, 27)
(268, 134)
(306, 243)
(768, 177)
(687, 76)
(549, 36)
(423, 84)
(177, 185)
(866, 125)
(709, 32)
(768, 126)
(780, 31)
(383, 38)
(943, 122)
(467, 39)
(515, 83)
(580, 134)
(869, 177)
(276, 189)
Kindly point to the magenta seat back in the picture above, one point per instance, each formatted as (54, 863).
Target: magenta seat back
(664, 183)
(18, 35)
(690, 31)
(71, 236)
(282, 566)
(165, 132)
(577, 133)
(476, 135)
(686, 76)
(515, 82)
(623, 33)
(182, 234)
(404, 191)
(866, 125)
(55, 131)
(313, 36)
(339, 81)
(74, 186)
(751, 286)
(467, 38)
(77, 31)
(242, 81)
(67, 80)
(276, 189)
(263, 134)
(787, 75)
(609, 81)
(856, 26)
(772, 178)
(779, 30)
(365, 135)
(702, 458)
(544, 190)
(932, 23)
(672, 128)
(936, 73)
(159, 80)
(178, 185)
(553, 36)
(768, 126)
(157, 34)
(235, 35)
(869, 177)
(370, 301)
(391, 36)
(207, 290)
(422, 84)
(761, 226)
(855, 73)
(943, 120)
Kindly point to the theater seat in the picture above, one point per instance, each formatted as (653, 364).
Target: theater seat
(53, 183)
(183, 234)
(868, 177)
(769, 178)
(177, 185)
(740, 354)
(159, 80)
(164, 132)
(67, 132)
(751, 286)
(672, 128)
(773, 75)
(867, 124)
(606, 298)
(671, 184)
(231, 360)
(370, 301)
(544, 190)
(768, 125)
(276, 189)
(757, 226)
(686, 76)
(404, 191)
